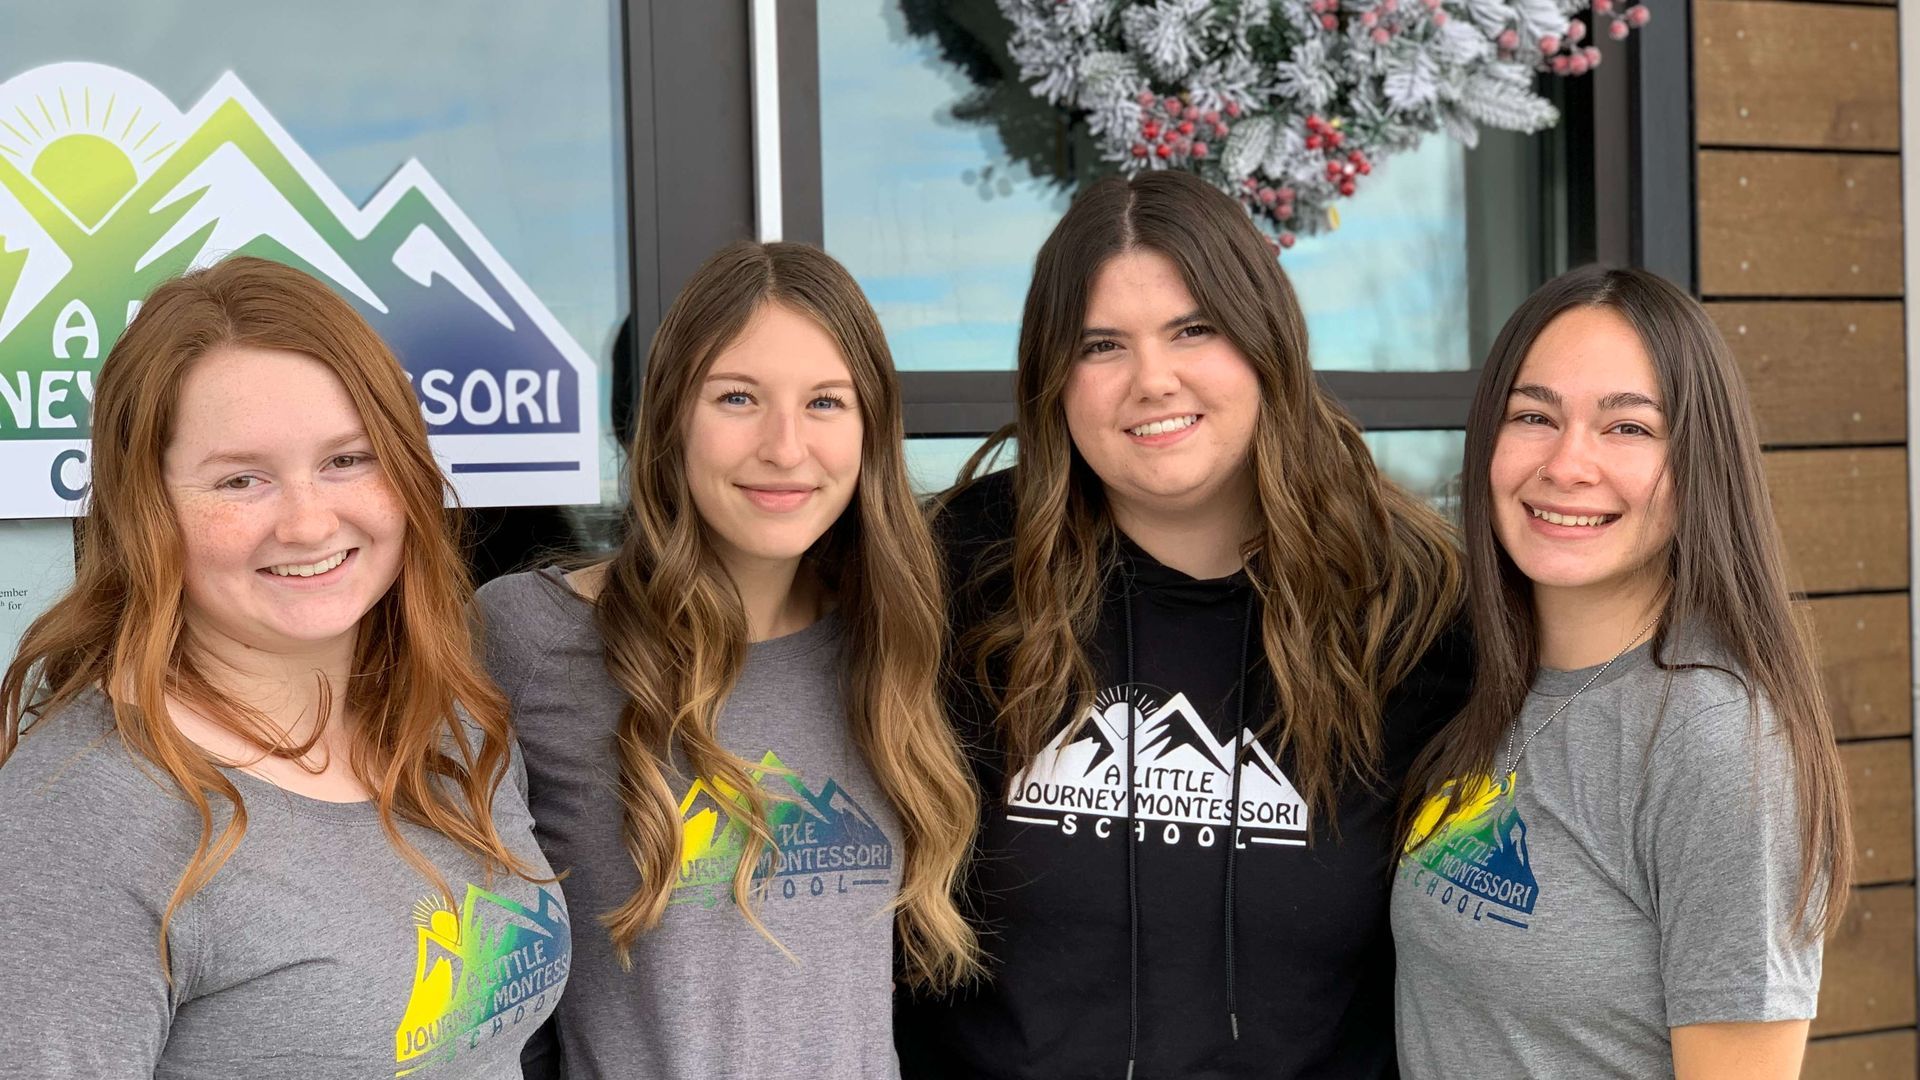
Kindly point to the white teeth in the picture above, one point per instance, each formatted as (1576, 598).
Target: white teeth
(1552, 518)
(309, 569)
(1161, 427)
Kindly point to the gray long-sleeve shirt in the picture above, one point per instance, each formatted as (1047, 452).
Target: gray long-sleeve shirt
(316, 952)
(707, 995)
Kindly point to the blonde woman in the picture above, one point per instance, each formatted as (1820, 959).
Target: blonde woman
(257, 811)
(732, 734)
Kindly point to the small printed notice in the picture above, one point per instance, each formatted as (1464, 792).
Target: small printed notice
(36, 567)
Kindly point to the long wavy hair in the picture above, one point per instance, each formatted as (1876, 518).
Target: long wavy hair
(675, 632)
(1356, 578)
(1725, 571)
(120, 628)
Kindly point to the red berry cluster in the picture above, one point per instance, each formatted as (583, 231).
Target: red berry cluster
(1564, 54)
(1273, 202)
(1625, 19)
(1344, 168)
(1383, 20)
(1175, 132)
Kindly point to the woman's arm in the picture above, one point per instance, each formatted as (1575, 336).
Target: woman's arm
(1758, 1051)
(80, 930)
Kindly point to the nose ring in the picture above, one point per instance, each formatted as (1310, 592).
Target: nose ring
(1541, 473)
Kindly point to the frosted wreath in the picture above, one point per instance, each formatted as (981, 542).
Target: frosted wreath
(1289, 104)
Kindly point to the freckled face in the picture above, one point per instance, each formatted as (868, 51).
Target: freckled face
(773, 440)
(290, 530)
(1160, 404)
(1581, 495)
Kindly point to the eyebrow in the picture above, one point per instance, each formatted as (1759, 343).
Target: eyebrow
(1619, 399)
(245, 457)
(1628, 399)
(734, 376)
(1171, 324)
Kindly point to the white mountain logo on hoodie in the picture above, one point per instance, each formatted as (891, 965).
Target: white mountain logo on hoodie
(1183, 776)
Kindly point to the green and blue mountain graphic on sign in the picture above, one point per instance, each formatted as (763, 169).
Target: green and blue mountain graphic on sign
(106, 190)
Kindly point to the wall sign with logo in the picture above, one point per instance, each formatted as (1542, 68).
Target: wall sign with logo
(107, 189)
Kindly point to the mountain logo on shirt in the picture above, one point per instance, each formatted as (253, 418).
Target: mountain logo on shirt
(826, 842)
(494, 964)
(1182, 778)
(1475, 862)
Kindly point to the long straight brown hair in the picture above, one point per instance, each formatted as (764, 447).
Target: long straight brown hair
(675, 633)
(1356, 578)
(1724, 568)
(120, 629)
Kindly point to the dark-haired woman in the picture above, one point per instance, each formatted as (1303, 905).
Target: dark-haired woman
(1196, 651)
(1629, 843)
(733, 737)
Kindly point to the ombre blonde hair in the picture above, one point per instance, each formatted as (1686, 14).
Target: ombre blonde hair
(675, 633)
(120, 629)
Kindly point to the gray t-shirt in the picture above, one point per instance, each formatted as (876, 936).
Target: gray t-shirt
(707, 995)
(316, 952)
(1637, 874)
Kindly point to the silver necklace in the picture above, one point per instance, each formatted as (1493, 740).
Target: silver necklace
(1513, 757)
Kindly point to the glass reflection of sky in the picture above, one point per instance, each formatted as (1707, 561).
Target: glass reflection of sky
(513, 109)
(942, 231)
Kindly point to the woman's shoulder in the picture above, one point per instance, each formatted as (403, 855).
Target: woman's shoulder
(531, 611)
(977, 512)
(72, 784)
(530, 595)
(1697, 703)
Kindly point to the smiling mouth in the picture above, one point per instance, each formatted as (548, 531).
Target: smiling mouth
(1164, 427)
(307, 570)
(1575, 520)
(775, 498)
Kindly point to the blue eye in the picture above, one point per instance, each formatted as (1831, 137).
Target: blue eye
(829, 401)
(736, 398)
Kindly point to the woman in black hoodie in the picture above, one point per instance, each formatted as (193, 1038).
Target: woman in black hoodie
(1197, 640)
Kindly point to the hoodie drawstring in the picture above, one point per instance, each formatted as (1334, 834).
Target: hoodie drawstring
(1233, 813)
(1132, 845)
(1133, 855)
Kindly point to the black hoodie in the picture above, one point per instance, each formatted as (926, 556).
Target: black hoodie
(1157, 951)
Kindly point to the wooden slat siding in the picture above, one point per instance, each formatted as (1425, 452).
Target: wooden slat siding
(1880, 787)
(1821, 374)
(1844, 516)
(1867, 979)
(1793, 75)
(1888, 1055)
(1799, 224)
(1865, 658)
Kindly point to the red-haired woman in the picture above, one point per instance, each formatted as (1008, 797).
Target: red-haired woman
(259, 814)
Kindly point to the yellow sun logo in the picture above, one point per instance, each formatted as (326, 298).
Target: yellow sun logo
(86, 135)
